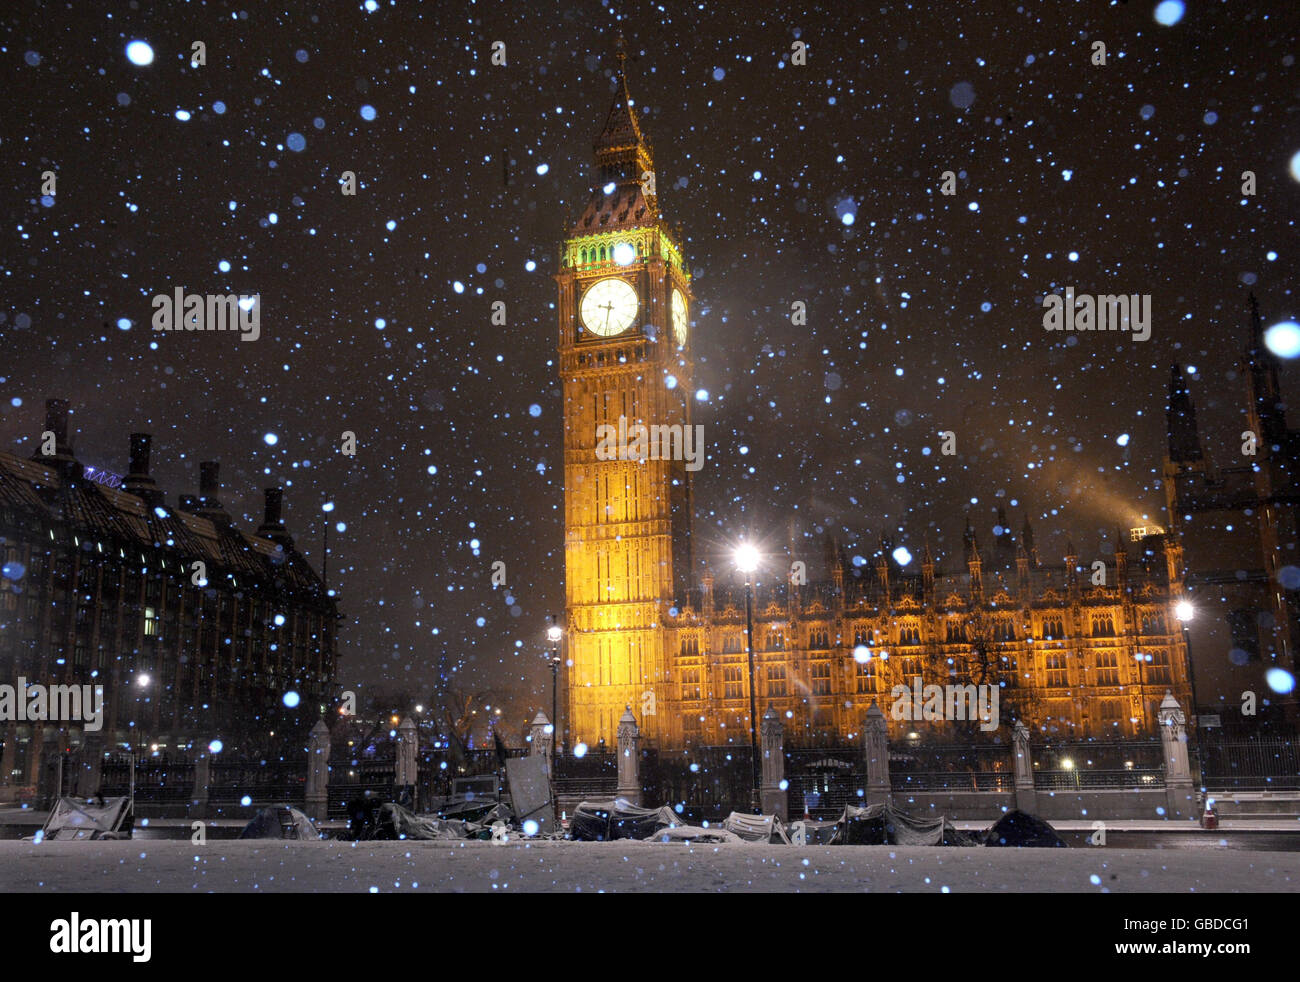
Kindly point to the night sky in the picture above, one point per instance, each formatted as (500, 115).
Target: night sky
(924, 313)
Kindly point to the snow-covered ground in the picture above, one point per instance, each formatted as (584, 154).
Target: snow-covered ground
(238, 866)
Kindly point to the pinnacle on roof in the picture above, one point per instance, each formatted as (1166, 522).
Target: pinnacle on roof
(621, 130)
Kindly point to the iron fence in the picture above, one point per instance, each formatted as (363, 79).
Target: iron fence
(1095, 779)
(1246, 764)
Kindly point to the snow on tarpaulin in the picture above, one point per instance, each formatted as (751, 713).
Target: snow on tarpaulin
(107, 818)
(814, 833)
(697, 834)
(756, 828)
(604, 821)
(1017, 828)
(280, 823)
(883, 824)
(391, 821)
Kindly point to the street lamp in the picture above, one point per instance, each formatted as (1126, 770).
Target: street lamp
(553, 634)
(747, 562)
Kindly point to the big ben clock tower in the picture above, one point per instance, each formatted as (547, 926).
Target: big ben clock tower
(625, 359)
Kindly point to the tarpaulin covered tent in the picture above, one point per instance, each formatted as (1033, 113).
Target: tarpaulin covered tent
(280, 823)
(1017, 828)
(105, 818)
(603, 821)
(813, 833)
(883, 824)
(756, 828)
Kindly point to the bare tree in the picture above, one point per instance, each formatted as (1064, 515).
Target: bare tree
(457, 708)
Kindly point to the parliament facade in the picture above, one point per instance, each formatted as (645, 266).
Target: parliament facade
(1075, 651)
(196, 630)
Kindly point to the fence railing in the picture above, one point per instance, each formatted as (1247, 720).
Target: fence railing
(1081, 780)
(1245, 764)
(1002, 781)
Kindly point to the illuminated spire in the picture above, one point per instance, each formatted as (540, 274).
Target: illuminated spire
(622, 153)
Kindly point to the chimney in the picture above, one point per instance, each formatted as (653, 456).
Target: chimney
(273, 527)
(140, 443)
(209, 485)
(209, 480)
(56, 422)
(138, 482)
(56, 419)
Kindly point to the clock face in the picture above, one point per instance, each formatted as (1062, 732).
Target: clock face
(609, 307)
(679, 318)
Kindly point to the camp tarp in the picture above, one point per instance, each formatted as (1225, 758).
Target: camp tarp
(883, 824)
(106, 818)
(386, 821)
(1017, 828)
(756, 828)
(603, 821)
(395, 822)
(280, 823)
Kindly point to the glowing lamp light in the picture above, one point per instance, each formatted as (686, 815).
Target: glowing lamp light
(554, 633)
(746, 558)
(1067, 764)
(580, 750)
(142, 680)
(1183, 611)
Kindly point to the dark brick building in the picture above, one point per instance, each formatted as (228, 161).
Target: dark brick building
(197, 631)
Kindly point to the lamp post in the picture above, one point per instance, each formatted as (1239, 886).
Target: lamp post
(1184, 611)
(554, 633)
(747, 562)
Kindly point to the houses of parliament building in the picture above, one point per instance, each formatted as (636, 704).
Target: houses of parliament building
(1076, 651)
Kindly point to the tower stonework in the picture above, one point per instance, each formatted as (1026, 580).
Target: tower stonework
(624, 358)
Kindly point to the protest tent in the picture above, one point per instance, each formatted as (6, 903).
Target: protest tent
(103, 818)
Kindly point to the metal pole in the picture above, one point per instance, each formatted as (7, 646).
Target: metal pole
(1191, 684)
(1191, 672)
(555, 719)
(755, 801)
